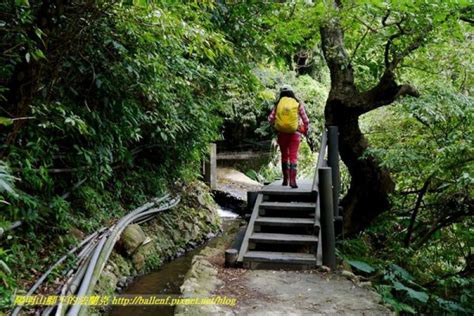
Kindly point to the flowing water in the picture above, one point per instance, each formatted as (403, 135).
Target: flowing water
(165, 281)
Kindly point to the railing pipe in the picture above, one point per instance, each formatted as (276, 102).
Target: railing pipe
(320, 162)
(327, 217)
(333, 162)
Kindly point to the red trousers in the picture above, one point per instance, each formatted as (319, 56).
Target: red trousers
(289, 144)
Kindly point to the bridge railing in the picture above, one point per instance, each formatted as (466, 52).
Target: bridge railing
(322, 162)
(328, 185)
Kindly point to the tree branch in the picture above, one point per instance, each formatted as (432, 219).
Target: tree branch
(419, 199)
(385, 17)
(359, 43)
(467, 15)
(406, 89)
(384, 93)
(442, 222)
(366, 25)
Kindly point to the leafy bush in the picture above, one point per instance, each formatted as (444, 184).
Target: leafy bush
(421, 250)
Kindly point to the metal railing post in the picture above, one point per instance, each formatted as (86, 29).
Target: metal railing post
(333, 162)
(210, 165)
(327, 217)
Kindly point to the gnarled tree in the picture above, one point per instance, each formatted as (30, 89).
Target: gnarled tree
(403, 28)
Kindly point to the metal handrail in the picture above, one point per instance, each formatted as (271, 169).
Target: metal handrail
(321, 161)
(327, 185)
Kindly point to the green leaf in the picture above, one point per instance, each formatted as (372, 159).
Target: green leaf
(5, 121)
(404, 274)
(362, 266)
(140, 3)
(22, 3)
(4, 267)
(417, 295)
(399, 306)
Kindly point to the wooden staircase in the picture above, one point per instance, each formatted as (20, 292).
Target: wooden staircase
(284, 229)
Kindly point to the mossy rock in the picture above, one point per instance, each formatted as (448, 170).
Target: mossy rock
(124, 267)
(138, 260)
(132, 237)
(107, 282)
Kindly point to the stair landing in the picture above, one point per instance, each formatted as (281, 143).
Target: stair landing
(305, 187)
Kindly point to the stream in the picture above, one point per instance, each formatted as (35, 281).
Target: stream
(167, 279)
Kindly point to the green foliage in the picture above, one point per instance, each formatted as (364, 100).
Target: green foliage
(140, 88)
(427, 140)
(362, 266)
(400, 289)
(430, 139)
(6, 277)
(6, 182)
(118, 101)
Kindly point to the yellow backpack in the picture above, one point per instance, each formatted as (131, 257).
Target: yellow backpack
(286, 120)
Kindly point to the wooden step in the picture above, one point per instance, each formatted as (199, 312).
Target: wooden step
(294, 206)
(283, 238)
(280, 257)
(270, 191)
(305, 188)
(284, 221)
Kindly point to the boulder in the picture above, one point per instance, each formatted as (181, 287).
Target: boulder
(138, 261)
(132, 237)
(107, 282)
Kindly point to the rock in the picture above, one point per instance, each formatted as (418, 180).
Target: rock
(365, 284)
(77, 233)
(122, 282)
(347, 274)
(123, 266)
(350, 276)
(210, 235)
(202, 200)
(132, 237)
(180, 252)
(147, 248)
(324, 269)
(138, 261)
(107, 282)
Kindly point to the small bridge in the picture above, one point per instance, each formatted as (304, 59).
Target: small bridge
(296, 227)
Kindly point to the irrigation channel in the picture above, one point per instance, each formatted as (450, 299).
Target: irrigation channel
(91, 255)
(167, 279)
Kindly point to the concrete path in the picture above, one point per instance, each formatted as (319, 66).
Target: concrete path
(267, 292)
(263, 292)
(235, 183)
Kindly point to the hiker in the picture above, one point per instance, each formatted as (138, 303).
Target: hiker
(289, 118)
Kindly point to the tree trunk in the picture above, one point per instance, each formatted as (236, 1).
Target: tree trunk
(370, 184)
